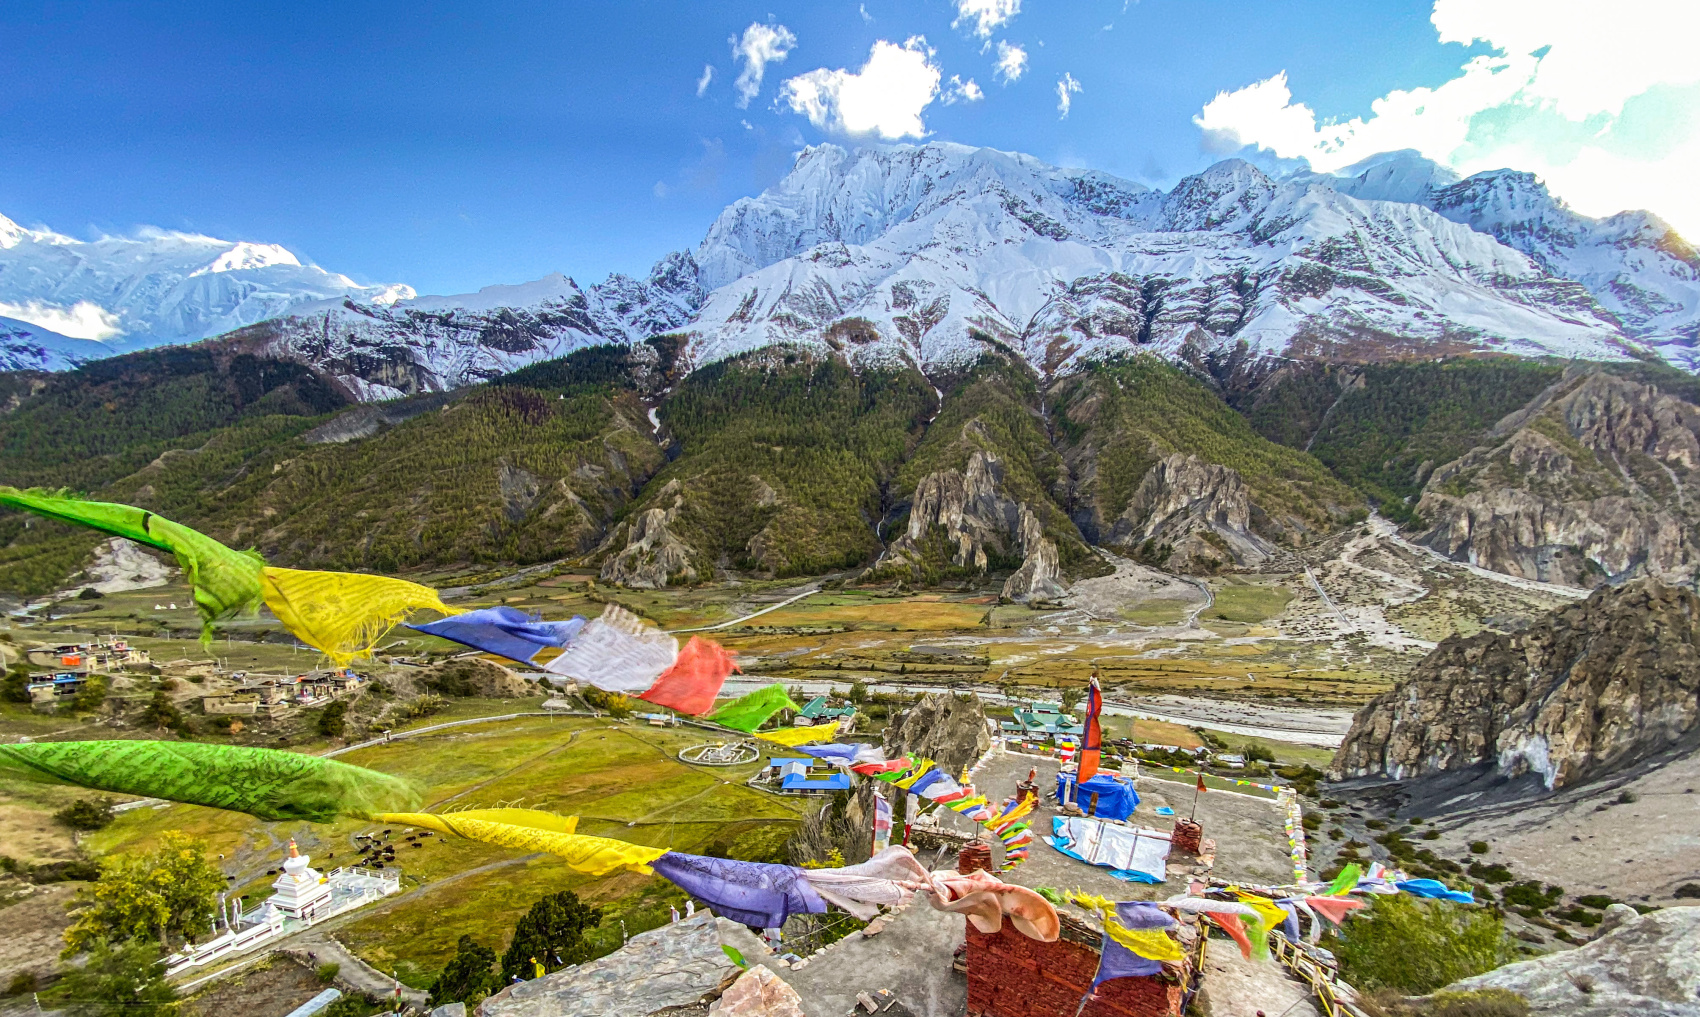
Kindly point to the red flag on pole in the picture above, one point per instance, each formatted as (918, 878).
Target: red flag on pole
(1093, 739)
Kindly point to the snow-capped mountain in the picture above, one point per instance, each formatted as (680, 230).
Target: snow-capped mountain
(159, 287)
(926, 254)
(27, 347)
(931, 254)
(1637, 267)
(434, 343)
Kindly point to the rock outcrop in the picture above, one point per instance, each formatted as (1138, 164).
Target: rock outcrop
(653, 555)
(1591, 688)
(474, 676)
(1649, 966)
(944, 727)
(676, 965)
(1192, 515)
(1593, 482)
(984, 528)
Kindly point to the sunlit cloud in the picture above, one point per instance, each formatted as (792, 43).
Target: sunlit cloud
(82, 320)
(759, 46)
(706, 79)
(1011, 63)
(1603, 102)
(886, 97)
(1067, 88)
(983, 17)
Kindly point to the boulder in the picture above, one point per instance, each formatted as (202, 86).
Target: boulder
(758, 992)
(946, 728)
(1649, 966)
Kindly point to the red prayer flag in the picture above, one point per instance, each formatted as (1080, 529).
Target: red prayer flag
(1201, 787)
(1094, 733)
(694, 678)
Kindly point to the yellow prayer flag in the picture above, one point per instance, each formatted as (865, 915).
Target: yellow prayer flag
(596, 856)
(343, 614)
(791, 737)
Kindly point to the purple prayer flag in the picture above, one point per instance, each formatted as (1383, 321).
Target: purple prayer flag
(505, 631)
(757, 894)
(1120, 962)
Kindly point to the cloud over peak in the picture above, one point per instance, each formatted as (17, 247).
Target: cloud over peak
(885, 98)
(759, 46)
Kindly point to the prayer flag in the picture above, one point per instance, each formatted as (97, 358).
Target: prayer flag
(596, 856)
(617, 652)
(882, 823)
(505, 631)
(759, 894)
(225, 582)
(690, 684)
(1094, 734)
(343, 614)
(791, 737)
(751, 711)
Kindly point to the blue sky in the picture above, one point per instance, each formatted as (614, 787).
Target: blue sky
(450, 146)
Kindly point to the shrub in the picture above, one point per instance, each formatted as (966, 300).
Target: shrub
(90, 593)
(1418, 946)
(327, 972)
(1478, 847)
(551, 933)
(14, 688)
(1597, 901)
(468, 977)
(161, 712)
(1495, 873)
(612, 703)
(331, 719)
(86, 814)
(1687, 891)
(22, 983)
(1528, 894)
(1431, 835)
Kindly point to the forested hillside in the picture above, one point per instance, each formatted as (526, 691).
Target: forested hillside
(783, 464)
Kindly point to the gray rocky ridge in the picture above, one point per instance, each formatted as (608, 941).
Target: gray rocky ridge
(1588, 690)
(1200, 510)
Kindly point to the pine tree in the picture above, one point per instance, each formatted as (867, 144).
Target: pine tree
(468, 977)
(551, 934)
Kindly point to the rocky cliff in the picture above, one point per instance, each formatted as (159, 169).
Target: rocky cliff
(1591, 482)
(1197, 513)
(946, 728)
(983, 527)
(651, 555)
(1590, 689)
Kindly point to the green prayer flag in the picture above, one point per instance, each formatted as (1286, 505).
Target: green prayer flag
(267, 783)
(1344, 882)
(226, 582)
(746, 713)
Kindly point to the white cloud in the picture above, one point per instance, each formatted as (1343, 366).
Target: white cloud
(987, 15)
(1066, 89)
(706, 79)
(761, 45)
(1011, 63)
(82, 320)
(960, 91)
(866, 17)
(1598, 100)
(886, 97)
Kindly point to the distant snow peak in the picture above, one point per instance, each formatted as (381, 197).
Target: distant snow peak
(245, 256)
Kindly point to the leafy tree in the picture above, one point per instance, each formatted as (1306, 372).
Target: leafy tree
(123, 980)
(161, 712)
(86, 814)
(1254, 752)
(1418, 946)
(553, 933)
(14, 688)
(168, 895)
(331, 719)
(90, 697)
(858, 692)
(1071, 698)
(614, 704)
(468, 977)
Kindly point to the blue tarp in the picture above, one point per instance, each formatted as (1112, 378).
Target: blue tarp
(1435, 889)
(1116, 797)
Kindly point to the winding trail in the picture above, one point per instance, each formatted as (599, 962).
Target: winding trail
(754, 614)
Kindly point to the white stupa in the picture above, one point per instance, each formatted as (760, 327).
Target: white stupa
(300, 892)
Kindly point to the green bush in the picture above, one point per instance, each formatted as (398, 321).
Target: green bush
(1528, 894)
(332, 719)
(551, 934)
(86, 814)
(14, 688)
(327, 972)
(1478, 847)
(1417, 946)
(468, 977)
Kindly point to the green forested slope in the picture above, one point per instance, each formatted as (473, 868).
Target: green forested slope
(783, 460)
(1117, 419)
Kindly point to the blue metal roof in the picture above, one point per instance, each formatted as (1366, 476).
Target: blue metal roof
(836, 782)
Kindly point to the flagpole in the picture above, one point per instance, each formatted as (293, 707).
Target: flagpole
(1196, 788)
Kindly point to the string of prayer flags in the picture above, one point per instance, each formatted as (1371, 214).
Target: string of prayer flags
(1151, 943)
(752, 710)
(1334, 909)
(791, 737)
(226, 583)
(265, 783)
(1345, 881)
(596, 856)
(343, 614)
(691, 682)
(617, 652)
(505, 631)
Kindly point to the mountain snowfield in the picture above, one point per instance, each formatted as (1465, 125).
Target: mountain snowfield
(931, 254)
(154, 288)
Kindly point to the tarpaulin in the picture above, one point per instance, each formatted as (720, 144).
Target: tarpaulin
(266, 783)
(1132, 854)
(505, 631)
(1434, 888)
(1116, 798)
(343, 614)
(225, 582)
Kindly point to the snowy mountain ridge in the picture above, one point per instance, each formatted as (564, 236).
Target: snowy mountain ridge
(931, 254)
(155, 287)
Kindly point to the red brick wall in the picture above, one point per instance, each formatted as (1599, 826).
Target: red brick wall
(1010, 975)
